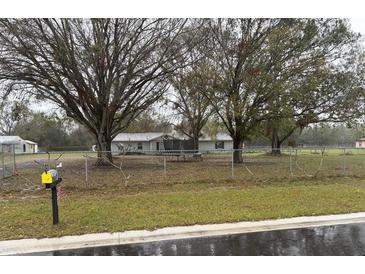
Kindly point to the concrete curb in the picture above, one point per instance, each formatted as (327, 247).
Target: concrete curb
(14, 247)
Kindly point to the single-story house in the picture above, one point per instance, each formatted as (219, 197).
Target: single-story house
(148, 141)
(360, 143)
(17, 144)
(154, 141)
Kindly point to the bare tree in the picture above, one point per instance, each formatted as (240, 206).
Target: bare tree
(190, 102)
(189, 83)
(102, 72)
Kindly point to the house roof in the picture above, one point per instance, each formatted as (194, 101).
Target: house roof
(149, 136)
(30, 142)
(10, 140)
(220, 136)
(138, 137)
(362, 139)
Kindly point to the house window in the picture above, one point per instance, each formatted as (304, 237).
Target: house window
(139, 146)
(219, 145)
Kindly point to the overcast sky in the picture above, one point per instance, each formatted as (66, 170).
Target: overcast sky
(358, 25)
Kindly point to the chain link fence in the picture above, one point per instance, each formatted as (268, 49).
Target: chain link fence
(144, 169)
(7, 161)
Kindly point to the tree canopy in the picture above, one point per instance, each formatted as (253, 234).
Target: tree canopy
(258, 61)
(102, 72)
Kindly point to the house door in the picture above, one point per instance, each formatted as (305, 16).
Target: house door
(158, 146)
(24, 148)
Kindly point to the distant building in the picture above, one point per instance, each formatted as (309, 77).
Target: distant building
(140, 141)
(17, 144)
(155, 141)
(360, 143)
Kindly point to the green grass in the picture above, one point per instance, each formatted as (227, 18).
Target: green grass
(190, 193)
(100, 211)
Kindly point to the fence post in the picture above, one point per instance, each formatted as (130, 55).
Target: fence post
(14, 162)
(49, 160)
(164, 164)
(232, 163)
(86, 170)
(344, 161)
(290, 161)
(3, 160)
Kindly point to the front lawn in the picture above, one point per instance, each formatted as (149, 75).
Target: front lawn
(181, 204)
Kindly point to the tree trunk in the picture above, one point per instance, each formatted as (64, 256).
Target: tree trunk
(237, 146)
(196, 142)
(103, 148)
(275, 143)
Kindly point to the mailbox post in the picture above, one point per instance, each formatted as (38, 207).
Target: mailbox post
(50, 180)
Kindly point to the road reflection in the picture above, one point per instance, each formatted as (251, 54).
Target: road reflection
(328, 240)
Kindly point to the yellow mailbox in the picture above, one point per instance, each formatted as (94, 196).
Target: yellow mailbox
(50, 180)
(49, 176)
(46, 178)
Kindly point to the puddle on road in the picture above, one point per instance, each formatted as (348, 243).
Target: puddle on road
(328, 240)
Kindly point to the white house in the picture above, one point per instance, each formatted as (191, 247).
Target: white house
(221, 141)
(360, 143)
(139, 141)
(10, 143)
(153, 141)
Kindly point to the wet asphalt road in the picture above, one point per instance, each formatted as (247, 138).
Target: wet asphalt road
(327, 240)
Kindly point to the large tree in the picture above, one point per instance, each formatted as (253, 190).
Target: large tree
(190, 83)
(48, 131)
(328, 93)
(102, 72)
(255, 59)
(11, 113)
(189, 100)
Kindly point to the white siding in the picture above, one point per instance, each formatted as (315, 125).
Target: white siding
(360, 144)
(114, 148)
(210, 145)
(152, 145)
(205, 146)
(145, 146)
(133, 146)
(20, 146)
(29, 148)
(228, 145)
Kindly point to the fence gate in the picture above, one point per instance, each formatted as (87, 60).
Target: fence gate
(7, 158)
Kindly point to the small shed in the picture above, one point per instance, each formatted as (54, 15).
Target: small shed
(360, 143)
(18, 145)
